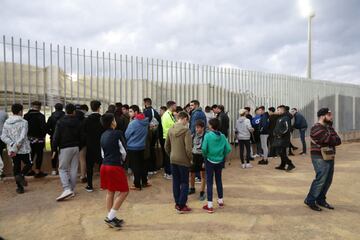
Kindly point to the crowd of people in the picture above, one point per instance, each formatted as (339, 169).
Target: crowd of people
(194, 147)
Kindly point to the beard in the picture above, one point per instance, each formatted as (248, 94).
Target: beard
(328, 121)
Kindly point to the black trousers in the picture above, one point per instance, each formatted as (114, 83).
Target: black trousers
(55, 160)
(244, 144)
(284, 158)
(91, 159)
(137, 164)
(25, 158)
(154, 138)
(37, 153)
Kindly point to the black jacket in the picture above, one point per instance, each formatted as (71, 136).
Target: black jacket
(272, 123)
(224, 123)
(282, 131)
(52, 120)
(149, 115)
(36, 124)
(91, 134)
(67, 133)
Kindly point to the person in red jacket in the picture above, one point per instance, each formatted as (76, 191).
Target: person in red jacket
(324, 139)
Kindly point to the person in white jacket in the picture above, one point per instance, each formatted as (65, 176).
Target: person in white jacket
(14, 135)
(243, 132)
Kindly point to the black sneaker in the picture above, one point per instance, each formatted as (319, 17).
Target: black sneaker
(263, 162)
(120, 221)
(252, 159)
(89, 189)
(112, 223)
(31, 173)
(191, 191)
(326, 205)
(313, 206)
(280, 168)
(290, 167)
(202, 196)
(40, 175)
(20, 180)
(20, 190)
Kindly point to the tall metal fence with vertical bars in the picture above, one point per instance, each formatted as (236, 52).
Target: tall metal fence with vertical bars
(32, 70)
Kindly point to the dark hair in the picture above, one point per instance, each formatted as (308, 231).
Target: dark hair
(126, 106)
(214, 123)
(111, 108)
(295, 109)
(282, 106)
(70, 108)
(221, 107)
(183, 115)
(187, 106)
(148, 100)
(118, 105)
(271, 109)
(106, 120)
(135, 108)
(36, 103)
(59, 107)
(287, 108)
(16, 108)
(200, 123)
(170, 103)
(207, 109)
(196, 102)
(95, 105)
(163, 108)
(247, 108)
(262, 108)
(179, 109)
(84, 107)
(214, 106)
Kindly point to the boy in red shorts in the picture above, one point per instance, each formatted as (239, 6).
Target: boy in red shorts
(112, 173)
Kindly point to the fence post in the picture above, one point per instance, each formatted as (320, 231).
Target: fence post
(354, 112)
(337, 111)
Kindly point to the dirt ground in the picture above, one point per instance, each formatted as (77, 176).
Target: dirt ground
(261, 203)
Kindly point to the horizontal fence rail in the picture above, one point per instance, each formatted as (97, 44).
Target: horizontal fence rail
(32, 70)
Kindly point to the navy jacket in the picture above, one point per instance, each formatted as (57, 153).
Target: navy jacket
(300, 121)
(197, 114)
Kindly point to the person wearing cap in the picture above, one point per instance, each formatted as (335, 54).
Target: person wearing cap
(36, 135)
(282, 138)
(300, 123)
(323, 136)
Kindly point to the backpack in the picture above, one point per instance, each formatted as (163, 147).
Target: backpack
(154, 123)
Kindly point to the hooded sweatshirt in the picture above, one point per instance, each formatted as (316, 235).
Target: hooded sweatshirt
(14, 134)
(215, 147)
(243, 129)
(37, 125)
(179, 145)
(67, 133)
(136, 133)
(3, 117)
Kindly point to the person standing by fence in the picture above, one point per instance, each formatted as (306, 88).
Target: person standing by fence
(300, 123)
(3, 117)
(243, 130)
(324, 140)
(15, 136)
(36, 134)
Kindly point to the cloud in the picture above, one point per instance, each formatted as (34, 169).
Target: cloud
(259, 35)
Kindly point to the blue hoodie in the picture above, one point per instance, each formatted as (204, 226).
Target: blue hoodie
(197, 114)
(136, 134)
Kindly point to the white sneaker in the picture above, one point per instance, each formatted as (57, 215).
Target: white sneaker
(243, 166)
(255, 156)
(53, 173)
(64, 195)
(167, 176)
(248, 165)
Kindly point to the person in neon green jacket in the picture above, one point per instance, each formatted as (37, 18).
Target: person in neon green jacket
(215, 148)
(167, 121)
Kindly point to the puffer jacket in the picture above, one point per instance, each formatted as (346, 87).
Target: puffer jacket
(14, 134)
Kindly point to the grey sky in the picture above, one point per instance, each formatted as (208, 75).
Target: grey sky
(268, 36)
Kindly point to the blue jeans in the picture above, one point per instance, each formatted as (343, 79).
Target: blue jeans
(212, 169)
(302, 138)
(180, 176)
(324, 174)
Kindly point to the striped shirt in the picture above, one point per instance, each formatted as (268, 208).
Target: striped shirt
(323, 136)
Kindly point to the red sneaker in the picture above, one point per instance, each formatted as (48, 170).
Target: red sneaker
(177, 207)
(185, 209)
(221, 205)
(209, 210)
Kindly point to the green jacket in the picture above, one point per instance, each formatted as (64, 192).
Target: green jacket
(178, 145)
(215, 146)
(167, 121)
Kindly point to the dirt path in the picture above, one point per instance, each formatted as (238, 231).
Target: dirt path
(261, 203)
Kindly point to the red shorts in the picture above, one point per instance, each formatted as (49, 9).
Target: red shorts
(113, 178)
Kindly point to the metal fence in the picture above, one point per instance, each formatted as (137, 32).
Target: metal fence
(32, 70)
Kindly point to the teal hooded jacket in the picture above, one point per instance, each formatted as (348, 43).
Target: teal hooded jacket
(215, 147)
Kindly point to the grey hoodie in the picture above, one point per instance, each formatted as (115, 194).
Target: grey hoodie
(243, 129)
(14, 134)
(3, 117)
